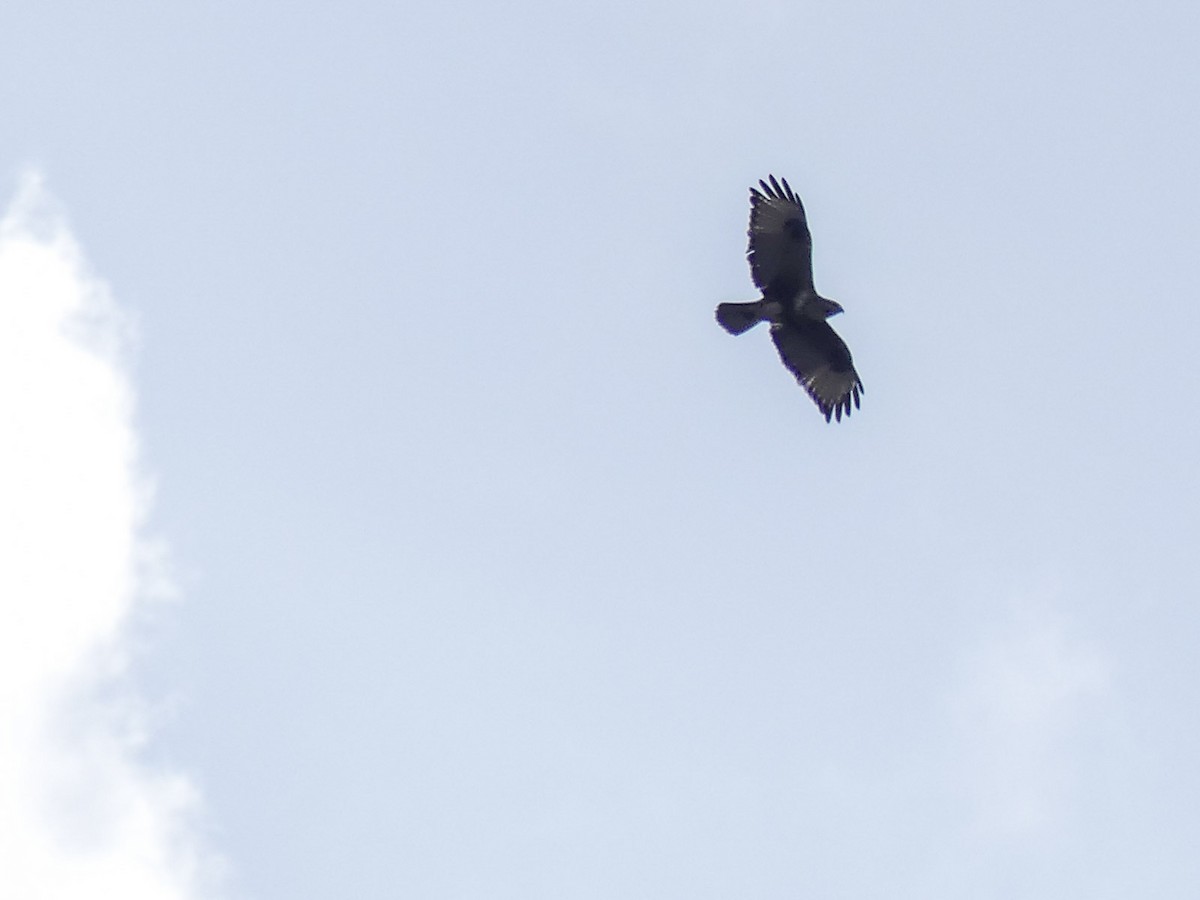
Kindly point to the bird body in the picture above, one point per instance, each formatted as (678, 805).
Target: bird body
(780, 256)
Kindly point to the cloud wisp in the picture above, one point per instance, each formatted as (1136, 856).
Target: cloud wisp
(1030, 695)
(81, 815)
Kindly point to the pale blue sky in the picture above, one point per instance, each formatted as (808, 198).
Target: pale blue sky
(506, 573)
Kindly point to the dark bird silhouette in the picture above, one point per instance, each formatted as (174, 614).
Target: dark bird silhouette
(780, 256)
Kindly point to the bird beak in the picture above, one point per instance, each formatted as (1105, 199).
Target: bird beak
(834, 308)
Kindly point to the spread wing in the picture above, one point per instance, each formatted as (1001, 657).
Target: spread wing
(821, 362)
(780, 250)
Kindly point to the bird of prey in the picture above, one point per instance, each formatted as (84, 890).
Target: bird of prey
(780, 256)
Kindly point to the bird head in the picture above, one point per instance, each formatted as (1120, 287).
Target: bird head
(821, 308)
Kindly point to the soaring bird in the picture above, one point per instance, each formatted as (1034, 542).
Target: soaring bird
(780, 256)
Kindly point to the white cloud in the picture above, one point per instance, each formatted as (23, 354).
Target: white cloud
(1030, 695)
(80, 814)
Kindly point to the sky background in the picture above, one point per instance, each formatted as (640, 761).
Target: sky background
(498, 569)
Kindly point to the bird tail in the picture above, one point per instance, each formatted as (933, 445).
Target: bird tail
(738, 317)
